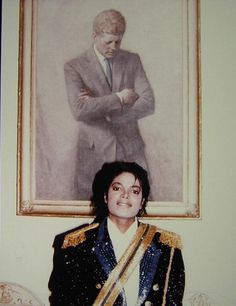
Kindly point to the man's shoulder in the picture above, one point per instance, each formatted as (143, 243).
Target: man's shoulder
(168, 238)
(73, 236)
(83, 57)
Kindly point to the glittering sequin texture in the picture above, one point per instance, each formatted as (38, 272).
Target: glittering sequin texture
(84, 258)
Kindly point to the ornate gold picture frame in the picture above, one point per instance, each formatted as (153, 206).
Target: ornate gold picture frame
(166, 35)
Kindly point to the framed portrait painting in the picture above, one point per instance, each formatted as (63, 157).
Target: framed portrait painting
(166, 36)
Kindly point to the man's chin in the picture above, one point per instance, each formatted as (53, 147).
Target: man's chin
(110, 55)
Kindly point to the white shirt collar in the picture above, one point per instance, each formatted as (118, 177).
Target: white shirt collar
(101, 58)
(121, 240)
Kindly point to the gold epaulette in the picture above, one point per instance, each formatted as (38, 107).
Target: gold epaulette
(77, 237)
(170, 238)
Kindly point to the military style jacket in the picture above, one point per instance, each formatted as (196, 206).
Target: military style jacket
(84, 258)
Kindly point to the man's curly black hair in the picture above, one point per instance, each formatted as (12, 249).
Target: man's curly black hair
(104, 178)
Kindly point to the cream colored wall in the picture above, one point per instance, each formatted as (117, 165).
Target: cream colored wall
(25, 242)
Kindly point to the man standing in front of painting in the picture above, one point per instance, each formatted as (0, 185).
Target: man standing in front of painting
(108, 92)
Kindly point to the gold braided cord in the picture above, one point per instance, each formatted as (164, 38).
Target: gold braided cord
(126, 265)
(168, 276)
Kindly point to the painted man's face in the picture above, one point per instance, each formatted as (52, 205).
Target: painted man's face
(124, 197)
(107, 44)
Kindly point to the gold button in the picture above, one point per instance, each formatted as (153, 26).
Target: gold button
(98, 286)
(155, 287)
(148, 303)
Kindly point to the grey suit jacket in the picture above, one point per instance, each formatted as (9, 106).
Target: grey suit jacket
(103, 123)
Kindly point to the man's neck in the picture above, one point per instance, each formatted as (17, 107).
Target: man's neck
(123, 224)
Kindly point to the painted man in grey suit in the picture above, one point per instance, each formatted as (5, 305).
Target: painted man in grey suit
(108, 92)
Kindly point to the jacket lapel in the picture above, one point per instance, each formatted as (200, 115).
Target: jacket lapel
(147, 272)
(104, 250)
(118, 70)
(95, 72)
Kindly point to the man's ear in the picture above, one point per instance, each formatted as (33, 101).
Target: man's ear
(94, 35)
(105, 198)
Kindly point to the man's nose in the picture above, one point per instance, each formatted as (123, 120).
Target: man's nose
(125, 194)
(113, 46)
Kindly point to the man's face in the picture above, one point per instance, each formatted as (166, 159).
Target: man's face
(107, 44)
(124, 198)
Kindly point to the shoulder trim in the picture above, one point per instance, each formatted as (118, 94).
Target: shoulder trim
(170, 238)
(77, 237)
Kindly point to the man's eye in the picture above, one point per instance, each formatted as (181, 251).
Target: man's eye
(135, 191)
(116, 188)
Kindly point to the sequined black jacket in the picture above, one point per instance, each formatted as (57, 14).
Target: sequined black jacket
(81, 268)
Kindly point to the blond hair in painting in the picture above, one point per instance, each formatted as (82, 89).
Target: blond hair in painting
(109, 21)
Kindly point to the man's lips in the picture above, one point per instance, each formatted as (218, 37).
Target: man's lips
(111, 53)
(124, 204)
